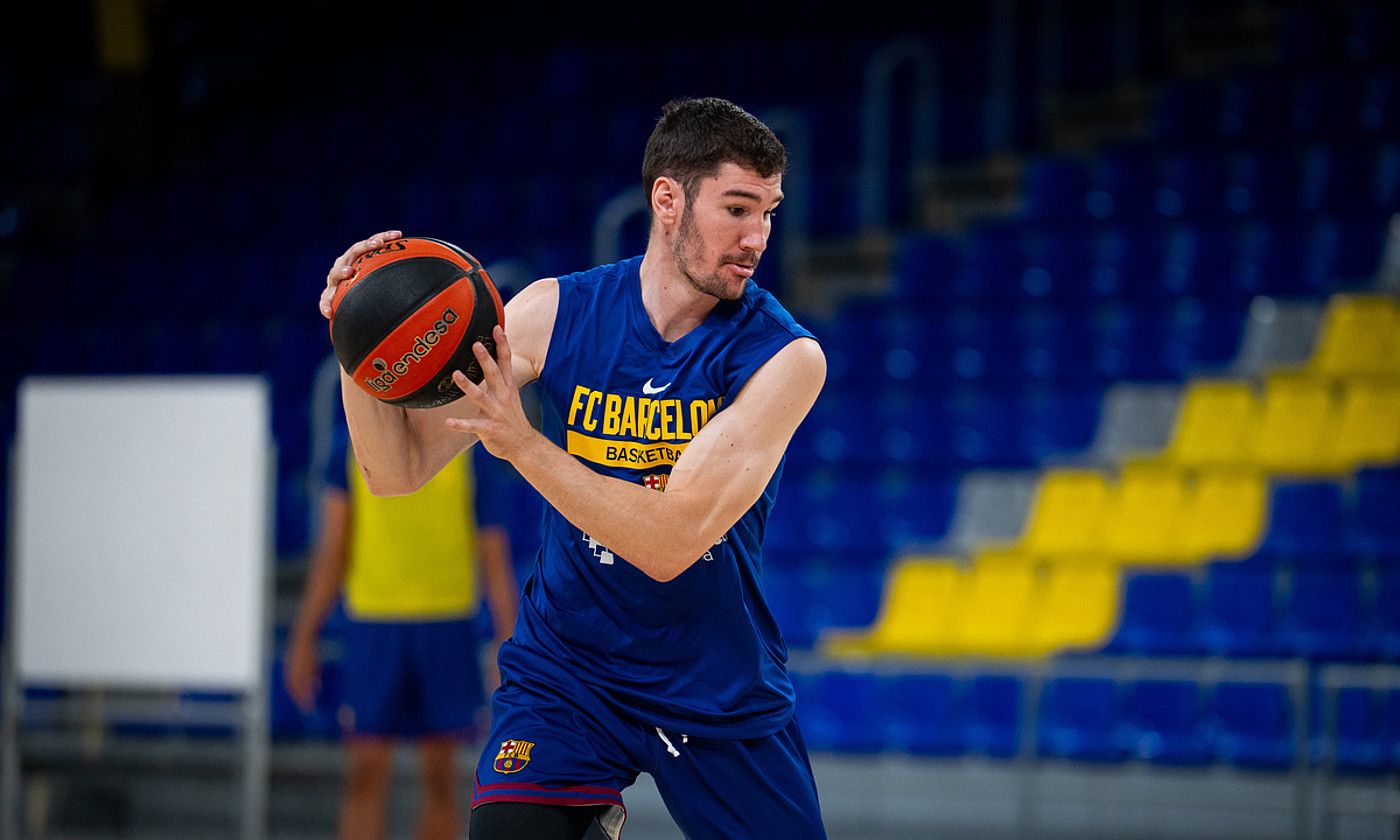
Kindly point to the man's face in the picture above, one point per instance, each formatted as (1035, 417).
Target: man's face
(724, 228)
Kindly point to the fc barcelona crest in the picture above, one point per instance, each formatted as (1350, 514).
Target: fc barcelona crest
(513, 757)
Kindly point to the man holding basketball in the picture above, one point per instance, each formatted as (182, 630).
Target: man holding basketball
(643, 642)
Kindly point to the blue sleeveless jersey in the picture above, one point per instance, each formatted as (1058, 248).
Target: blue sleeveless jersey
(700, 654)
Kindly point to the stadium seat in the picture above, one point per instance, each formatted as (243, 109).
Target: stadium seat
(994, 715)
(845, 592)
(994, 615)
(1367, 430)
(1078, 607)
(1325, 616)
(1159, 615)
(841, 711)
(1053, 187)
(1253, 725)
(926, 715)
(1373, 526)
(1357, 337)
(1305, 518)
(1067, 514)
(1384, 633)
(1142, 516)
(920, 598)
(1226, 509)
(1238, 613)
(1298, 416)
(1166, 722)
(1360, 739)
(1213, 425)
(1080, 720)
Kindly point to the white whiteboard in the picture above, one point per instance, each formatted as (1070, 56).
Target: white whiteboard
(142, 531)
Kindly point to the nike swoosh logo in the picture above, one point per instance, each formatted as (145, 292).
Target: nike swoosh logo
(650, 391)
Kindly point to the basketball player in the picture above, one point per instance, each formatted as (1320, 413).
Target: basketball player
(410, 569)
(671, 385)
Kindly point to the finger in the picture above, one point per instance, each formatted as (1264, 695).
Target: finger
(326, 297)
(344, 264)
(490, 371)
(503, 354)
(480, 397)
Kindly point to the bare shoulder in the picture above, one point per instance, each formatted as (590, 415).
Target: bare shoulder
(530, 322)
(801, 363)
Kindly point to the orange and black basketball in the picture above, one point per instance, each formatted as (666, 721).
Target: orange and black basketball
(407, 318)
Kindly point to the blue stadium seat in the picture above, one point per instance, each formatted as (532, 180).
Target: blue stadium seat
(1058, 346)
(1059, 421)
(1238, 614)
(926, 715)
(841, 711)
(1159, 615)
(1362, 731)
(1336, 178)
(840, 506)
(928, 268)
(1053, 188)
(1384, 632)
(1128, 265)
(915, 506)
(995, 264)
(994, 715)
(1059, 266)
(1080, 719)
(1167, 722)
(1305, 518)
(1253, 725)
(1263, 181)
(846, 594)
(1325, 617)
(1373, 527)
(1123, 185)
(1192, 184)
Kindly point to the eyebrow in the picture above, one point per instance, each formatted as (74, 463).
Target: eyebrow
(738, 192)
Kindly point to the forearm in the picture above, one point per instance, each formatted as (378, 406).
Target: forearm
(656, 532)
(397, 449)
(322, 588)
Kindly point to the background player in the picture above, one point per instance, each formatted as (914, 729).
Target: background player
(644, 642)
(411, 569)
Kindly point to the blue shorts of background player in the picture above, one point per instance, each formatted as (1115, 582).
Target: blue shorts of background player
(411, 679)
(554, 740)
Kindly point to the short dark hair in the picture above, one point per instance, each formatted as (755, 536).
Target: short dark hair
(694, 136)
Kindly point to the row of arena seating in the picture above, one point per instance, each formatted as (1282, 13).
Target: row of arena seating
(1253, 724)
(1226, 485)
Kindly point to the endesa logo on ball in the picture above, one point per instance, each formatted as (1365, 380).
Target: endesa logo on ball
(390, 372)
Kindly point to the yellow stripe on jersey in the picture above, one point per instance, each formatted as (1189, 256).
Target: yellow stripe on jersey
(622, 453)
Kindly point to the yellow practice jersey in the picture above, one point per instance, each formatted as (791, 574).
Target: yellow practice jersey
(413, 557)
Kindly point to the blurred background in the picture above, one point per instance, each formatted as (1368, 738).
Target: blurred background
(1095, 529)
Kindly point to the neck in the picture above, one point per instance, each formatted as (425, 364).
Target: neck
(674, 306)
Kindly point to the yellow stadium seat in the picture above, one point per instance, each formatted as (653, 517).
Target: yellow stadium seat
(1297, 416)
(1368, 428)
(1358, 336)
(1000, 593)
(1143, 513)
(1213, 424)
(1225, 514)
(920, 599)
(1078, 607)
(1066, 516)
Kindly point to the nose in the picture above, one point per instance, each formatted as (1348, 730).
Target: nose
(755, 238)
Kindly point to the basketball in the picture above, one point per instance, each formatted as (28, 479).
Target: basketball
(407, 318)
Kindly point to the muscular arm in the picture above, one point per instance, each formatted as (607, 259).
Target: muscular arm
(719, 476)
(400, 449)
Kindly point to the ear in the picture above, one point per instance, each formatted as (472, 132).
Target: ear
(667, 202)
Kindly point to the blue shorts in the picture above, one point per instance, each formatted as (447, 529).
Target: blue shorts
(555, 741)
(411, 679)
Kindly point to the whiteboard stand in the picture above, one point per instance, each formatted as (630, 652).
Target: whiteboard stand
(142, 521)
